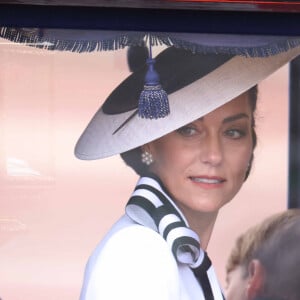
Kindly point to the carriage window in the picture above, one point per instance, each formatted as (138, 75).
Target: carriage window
(54, 207)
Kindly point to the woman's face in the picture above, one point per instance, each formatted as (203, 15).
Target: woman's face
(203, 164)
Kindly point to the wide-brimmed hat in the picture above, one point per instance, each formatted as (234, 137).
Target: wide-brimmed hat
(196, 84)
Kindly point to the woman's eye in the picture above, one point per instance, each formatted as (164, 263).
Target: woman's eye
(187, 131)
(235, 133)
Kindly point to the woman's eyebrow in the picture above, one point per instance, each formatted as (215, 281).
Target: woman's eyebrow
(235, 117)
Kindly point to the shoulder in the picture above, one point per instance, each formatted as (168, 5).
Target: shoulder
(133, 243)
(133, 259)
(126, 239)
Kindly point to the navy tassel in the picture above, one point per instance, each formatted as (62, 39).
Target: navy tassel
(153, 101)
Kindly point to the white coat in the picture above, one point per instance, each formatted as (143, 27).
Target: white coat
(135, 261)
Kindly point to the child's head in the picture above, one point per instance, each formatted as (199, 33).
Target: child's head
(250, 253)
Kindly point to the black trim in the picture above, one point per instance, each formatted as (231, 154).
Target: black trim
(141, 19)
(294, 135)
(162, 197)
(143, 202)
(171, 226)
(202, 277)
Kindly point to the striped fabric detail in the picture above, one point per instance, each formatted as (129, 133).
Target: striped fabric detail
(207, 279)
(152, 207)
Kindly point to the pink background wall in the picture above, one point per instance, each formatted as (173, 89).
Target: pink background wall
(55, 208)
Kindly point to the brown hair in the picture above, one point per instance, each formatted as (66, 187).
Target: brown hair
(279, 255)
(248, 244)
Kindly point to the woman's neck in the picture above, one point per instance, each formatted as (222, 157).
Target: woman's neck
(202, 223)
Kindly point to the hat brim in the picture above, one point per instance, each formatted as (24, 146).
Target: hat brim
(194, 101)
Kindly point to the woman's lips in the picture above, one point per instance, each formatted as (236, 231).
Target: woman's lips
(208, 181)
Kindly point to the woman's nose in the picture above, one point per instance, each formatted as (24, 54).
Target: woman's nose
(212, 152)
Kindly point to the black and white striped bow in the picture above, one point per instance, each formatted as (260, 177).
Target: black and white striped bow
(152, 207)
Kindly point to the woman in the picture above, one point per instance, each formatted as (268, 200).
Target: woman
(192, 161)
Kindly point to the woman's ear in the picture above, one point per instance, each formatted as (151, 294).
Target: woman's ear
(146, 147)
(256, 279)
